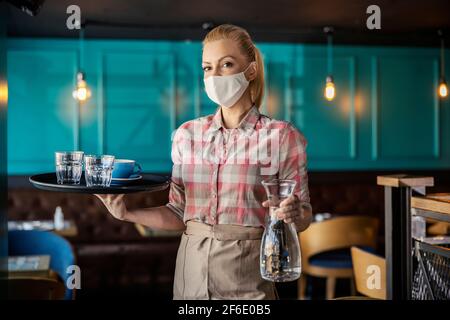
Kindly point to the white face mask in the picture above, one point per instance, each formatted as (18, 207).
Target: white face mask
(226, 90)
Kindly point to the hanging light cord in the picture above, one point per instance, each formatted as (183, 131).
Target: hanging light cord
(442, 57)
(330, 51)
(81, 43)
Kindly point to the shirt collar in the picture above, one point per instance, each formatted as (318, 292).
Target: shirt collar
(247, 124)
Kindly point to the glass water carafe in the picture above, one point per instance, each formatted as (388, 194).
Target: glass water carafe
(280, 258)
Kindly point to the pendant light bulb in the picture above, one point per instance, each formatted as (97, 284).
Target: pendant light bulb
(82, 91)
(330, 89)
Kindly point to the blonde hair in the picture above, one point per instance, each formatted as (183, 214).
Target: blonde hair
(248, 48)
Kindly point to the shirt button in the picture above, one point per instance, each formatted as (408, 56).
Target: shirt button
(214, 195)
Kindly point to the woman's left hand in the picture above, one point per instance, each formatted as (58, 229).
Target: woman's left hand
(293, 210)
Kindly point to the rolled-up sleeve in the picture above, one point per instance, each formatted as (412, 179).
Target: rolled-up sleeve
(293, 161)
(177, 197)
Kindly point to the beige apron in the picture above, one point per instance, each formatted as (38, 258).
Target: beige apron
(220, 262)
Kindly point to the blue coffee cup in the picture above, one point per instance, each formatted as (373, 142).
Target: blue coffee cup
(124, 168)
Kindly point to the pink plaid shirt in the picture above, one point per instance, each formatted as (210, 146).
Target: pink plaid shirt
(217, 172)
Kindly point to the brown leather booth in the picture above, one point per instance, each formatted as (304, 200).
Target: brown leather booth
(116, 260)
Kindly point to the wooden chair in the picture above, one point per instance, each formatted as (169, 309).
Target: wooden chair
(33, 288)
(438, 228)
(362, 263)
(326, 249)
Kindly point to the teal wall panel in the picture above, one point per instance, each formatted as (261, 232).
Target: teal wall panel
(140, 100)
(401, 79)
(386, 114)
(329, 126)
(41, 113)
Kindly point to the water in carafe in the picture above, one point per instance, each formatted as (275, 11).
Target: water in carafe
(280, 258)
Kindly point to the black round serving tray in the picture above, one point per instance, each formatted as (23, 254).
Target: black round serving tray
(148, 183)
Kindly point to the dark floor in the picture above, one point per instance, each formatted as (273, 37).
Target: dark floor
(286, 291)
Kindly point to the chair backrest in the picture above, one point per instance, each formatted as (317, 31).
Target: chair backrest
(334, 234)
(338, 233)
(33, 288)
(370, 273)
(32, 242)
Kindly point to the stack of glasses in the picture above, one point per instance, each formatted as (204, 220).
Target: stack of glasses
(69, 168)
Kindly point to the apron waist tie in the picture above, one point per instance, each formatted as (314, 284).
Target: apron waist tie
(223, 231)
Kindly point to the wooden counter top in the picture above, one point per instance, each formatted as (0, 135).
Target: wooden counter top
(438, 202)
(405, 180)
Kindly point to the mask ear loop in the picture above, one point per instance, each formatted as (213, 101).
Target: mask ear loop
(249, 66)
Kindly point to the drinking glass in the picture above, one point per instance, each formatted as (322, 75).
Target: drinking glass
(280, 257)
(98, 170)
(69, 166)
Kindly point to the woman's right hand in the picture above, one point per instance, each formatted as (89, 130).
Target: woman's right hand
(115, 204)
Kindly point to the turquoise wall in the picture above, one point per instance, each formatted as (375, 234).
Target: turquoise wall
(386, 114)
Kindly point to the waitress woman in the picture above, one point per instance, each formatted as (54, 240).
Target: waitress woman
(215, 194)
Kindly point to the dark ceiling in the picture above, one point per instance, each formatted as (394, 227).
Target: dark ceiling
(412, 22)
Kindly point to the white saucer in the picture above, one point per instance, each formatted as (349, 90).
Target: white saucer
(125, 180)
